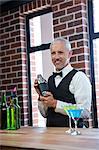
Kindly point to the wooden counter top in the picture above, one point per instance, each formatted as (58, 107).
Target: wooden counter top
(49, 139)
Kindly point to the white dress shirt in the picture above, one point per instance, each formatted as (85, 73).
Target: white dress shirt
(80, 86)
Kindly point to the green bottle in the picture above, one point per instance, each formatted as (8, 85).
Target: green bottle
(8, 114)
(18, 110)
(12, 111)
(3, 110)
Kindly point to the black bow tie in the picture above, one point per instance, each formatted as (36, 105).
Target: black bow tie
(57, 74)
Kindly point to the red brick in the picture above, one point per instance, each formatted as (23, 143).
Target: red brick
(2, 53)
(3, 25)
(67, 32)
(59, 27)
(21, 9)
(74, 9)
(18, 44)
(17, 80)
(59, 14)
(81, 57)
(73, 45)
(66, 4)
(9, 29)
(34, 4)
(26, 7)
(1, 31)
(16, 56)
(22, 86)
(4, 36)
(5, 47)
(55, 8)
(2, 76)
(2, 87)
(5, 59)
(56, 21)
(10, 40)
(6, 70)
(30, 6)
(6, 81)
(16, 15)
(78, 15)
(66, 18)
(79, 29)
(57, 1)
(1, 20)
(43, 2)
(15, 33)
(1, 43)
(39, 3)
(2, 65)
(11, 51)
(79, 65)
(79, 1)
(75, 23)
(18, 68)
(15, 21)
(78, 51)
(73, 59)
(11, 75)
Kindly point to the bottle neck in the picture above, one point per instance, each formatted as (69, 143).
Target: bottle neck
(3, 100)
(12, 102)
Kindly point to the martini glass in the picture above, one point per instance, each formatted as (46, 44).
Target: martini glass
(75, 114)
(66, 109)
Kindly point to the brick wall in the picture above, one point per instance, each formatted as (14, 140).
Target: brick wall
(13, 64)
(69, 20)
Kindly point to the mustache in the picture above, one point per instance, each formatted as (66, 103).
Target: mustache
(57, 59)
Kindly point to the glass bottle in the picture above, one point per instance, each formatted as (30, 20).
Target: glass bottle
(12, 110)
(3, 110)
(43, 85)
(8, 114)
(18, 108)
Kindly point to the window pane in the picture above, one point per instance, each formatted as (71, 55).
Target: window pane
(96, 58)
(96, 66)
(41, 29)
(41, 32)
(40, 63)
(96, 15)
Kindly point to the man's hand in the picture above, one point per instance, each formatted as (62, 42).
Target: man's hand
(36, 86)
(48, 100)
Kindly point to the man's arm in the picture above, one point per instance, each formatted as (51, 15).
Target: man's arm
(42, 108)
(81, 88)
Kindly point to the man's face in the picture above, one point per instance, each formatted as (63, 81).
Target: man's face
(59, 55)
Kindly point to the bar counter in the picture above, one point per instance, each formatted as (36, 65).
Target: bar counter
(29, 138)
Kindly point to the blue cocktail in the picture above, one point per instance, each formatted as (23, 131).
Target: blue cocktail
(75, 115)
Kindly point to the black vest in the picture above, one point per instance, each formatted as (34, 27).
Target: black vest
(62, 93)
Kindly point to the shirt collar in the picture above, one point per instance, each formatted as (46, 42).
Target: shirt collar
(66, 70)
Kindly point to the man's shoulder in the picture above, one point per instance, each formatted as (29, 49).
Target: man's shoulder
(81, 75)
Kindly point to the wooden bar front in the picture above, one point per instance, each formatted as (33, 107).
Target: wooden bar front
(49, 139)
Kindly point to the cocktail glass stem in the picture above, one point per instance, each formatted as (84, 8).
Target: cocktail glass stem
(70, 123)
(75, 125)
